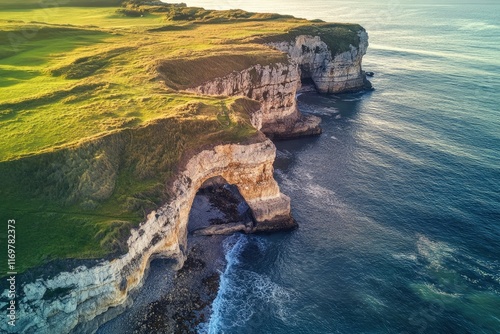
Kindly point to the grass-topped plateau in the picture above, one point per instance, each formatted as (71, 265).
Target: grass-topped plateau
(94, 119)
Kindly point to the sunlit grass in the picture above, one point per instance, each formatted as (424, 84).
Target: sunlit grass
(120, 67)
(83, 16)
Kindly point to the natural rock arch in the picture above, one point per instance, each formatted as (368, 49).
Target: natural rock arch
(107, 284)
(250, 168)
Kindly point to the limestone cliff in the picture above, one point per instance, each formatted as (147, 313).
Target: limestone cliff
(331, 73)
(275, 87)
(86, 293)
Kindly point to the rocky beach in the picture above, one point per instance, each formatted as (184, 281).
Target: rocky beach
(180, 301)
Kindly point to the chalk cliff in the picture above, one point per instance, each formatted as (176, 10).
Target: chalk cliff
(85, 293)
(331, 73)
(275, 87)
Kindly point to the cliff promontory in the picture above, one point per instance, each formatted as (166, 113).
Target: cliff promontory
(275, 87)
(140, 106)
(331, 73)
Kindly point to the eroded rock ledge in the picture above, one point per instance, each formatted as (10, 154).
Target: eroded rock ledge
(275, 87)
(331, 73)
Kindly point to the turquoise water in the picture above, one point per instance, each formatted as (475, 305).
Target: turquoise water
(398, 200)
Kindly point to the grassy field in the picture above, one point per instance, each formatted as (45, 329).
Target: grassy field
(94, 119)
(23, 4)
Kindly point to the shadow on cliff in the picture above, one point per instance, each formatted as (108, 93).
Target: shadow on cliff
(219, 208)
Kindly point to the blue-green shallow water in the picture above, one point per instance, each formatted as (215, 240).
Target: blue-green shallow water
(398, 200)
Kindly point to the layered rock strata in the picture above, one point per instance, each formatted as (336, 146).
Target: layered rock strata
(80, 300)
(331, 73)
(275, 87)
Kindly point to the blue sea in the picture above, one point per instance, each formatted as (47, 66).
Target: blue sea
(398, 200)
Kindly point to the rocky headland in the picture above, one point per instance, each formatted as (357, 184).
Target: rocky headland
(83, 297)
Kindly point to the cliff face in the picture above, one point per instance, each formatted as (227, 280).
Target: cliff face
(86, 293)
(275, 87)
(337, 73)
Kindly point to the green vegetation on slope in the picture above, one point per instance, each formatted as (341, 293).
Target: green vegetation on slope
(94, 120)
(191, 72)
(82, 200)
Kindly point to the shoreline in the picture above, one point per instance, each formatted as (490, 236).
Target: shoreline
(180, 301)
(175, 301)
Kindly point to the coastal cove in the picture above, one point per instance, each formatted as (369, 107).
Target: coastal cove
(188, 130)
(398, 199)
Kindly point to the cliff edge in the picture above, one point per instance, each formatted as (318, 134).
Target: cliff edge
(70, 301)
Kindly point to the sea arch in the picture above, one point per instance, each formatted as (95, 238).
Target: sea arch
(249, 167)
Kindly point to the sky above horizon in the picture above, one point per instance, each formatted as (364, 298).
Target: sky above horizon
(295, 7)
(343, 2)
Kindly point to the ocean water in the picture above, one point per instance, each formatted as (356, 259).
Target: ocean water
(398, 200)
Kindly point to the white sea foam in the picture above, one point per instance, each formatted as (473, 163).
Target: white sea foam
(479, 26)
(435, 252)
(430, 291)
(242, 291)
(405, 257)
(261, 243)
(352, 99)
(233, 247)
(315, 192)
(444, 260)
(374, 302)
(484, 269)
(318, 191)
(324, 111)
(283, 154)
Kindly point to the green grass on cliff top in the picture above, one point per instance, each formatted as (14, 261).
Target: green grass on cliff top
(80, 85)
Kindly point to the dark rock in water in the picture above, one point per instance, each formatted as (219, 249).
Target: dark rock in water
(280, 224)
(369, 74)
(367, 84)
(218, 210)
(221, 229)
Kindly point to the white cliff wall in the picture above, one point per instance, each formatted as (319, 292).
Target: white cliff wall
(330, 73)
(275, 87)
(90, 292)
